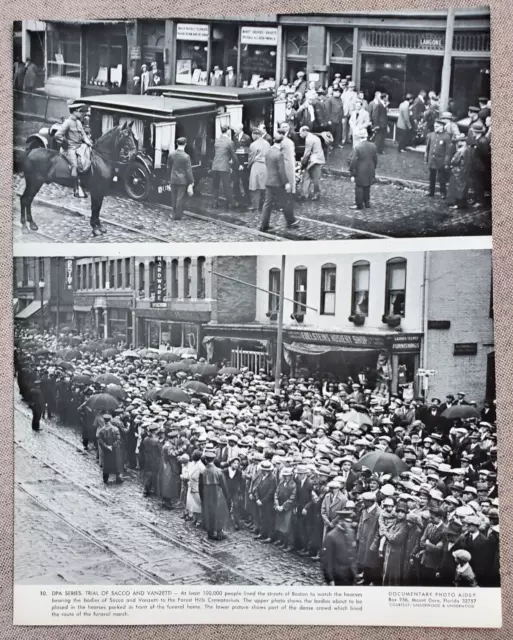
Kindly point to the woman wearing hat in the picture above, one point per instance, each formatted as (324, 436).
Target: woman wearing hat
(460, 164)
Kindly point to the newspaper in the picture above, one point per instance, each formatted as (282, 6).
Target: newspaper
(256, 392)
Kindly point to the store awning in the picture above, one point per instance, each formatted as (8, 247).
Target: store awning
(236, 339)
(30, 310)
(306, 349)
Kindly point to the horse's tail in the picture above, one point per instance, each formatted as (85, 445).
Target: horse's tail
(23, 162)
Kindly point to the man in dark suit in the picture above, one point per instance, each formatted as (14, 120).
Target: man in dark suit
(264, 496)
(304, 488)
(230, 79)
(363, 170)
(479, 547)
(37, 404)
(418, 108)
(181, 178)
(439, 151)
(338, 560)
(379, 120)
(224, 153)
(241, 144)
(334, 110)
(481, 165)
(432, 543)
(484, 109)
(278, 188)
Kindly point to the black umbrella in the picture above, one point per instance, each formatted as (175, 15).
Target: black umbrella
(461, 412)
(107, 378)
(204, 369)
(169, 356)
(229, 371)
(116, 391)
(173, 394)
(382, 462)
(198, 387)
(81, 378)
(103, 402)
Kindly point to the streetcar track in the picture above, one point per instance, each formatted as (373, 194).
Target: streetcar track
(112, 503)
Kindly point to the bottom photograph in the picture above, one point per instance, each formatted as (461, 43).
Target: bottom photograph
(256, 420)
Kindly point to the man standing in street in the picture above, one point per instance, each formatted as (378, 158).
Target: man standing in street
(37, 404)
(278, 188)
(312, 160)
(152, 451)
(379, 121)
(418, 108)
(334, 116)
(404, 125)
(109, 441)
(258, 150)
(214, 498)
(181, 178)
(241, 143)
(338, 558)
(224, 154)
(439, 151)
(288, 149)
(349, 98)
(358, 120)
(363, 170)
(481, 165)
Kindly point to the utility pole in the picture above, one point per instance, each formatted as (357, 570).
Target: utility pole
(58, 295)
(279, 340)
(447, 63)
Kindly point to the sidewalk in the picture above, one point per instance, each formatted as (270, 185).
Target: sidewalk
(406, 169)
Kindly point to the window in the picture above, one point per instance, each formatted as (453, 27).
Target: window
(300, 290)
(153, 278)
(42, 269)
(105, 58)
(128, 279)
(103, 268)
(90, 276)
(296, 52)
(63, 54)
(328, 286)
(174, 278)
(96, 275)
(201, 277)
(395, 295)
(274, 290)
(112, 278)
(187, 278)
(79, 276)
(360, 294)
(142, 274)
(119, 269)
(25, 271)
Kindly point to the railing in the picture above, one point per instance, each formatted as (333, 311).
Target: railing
(253, 360)
(472, 41)
(419, 40)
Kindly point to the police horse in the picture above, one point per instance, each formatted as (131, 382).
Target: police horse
(43, 166)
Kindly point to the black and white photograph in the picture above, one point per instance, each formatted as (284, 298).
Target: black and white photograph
(358, 125)
(322, 420)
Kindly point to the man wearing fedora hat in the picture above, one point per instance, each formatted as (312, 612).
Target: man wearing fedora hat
(284, 501)
(338, 558)
(264, 496)
(214, 498)
(230, 79)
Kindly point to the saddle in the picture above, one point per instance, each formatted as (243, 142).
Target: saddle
(83, 158)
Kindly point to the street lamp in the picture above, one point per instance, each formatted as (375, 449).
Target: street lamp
(42, 290)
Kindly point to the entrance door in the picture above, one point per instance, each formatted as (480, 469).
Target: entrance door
(470, 80)
(490, 376)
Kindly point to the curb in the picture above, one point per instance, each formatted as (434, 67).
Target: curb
(401, 182)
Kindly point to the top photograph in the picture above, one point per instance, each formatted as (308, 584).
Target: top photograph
(255, 128)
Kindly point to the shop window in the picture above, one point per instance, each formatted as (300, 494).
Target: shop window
(119, 273)
(128, 280)
(112, 274)
(360, 292)
(274, 290)
(191, 62)
(296, 52)
(224, 48)
(153, 38)
(340, 52)
(174, 278)
(300, 274)
(63, 52)
(395, 295)
(142, 278)
(258, 65)
(187, 278)
(105, 58)
(201, 277)
(328, 288)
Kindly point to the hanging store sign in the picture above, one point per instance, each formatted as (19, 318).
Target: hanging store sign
(465, 349)
(195, 32)
(404, 343)
(160, 287)
(267, 36)
(69, 274)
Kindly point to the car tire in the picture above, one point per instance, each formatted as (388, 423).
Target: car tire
(137, 181)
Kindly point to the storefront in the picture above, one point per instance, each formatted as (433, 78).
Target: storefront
(241, 346)
(296, 52)
(159, 326)
(340, 52)
(391, 359)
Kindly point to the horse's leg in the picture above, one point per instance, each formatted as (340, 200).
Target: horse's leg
(31, 190)
(96, 205)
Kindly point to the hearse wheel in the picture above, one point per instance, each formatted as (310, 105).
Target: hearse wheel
(138, 181)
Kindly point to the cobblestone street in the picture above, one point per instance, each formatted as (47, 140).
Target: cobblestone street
(72, 529)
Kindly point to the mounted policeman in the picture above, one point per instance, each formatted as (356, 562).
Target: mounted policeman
(75, 144)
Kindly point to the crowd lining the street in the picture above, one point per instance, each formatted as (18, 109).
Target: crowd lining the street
(379, 489)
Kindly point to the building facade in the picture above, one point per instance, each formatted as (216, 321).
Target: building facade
(397, 52)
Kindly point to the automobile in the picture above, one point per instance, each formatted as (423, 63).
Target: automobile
(157, 122)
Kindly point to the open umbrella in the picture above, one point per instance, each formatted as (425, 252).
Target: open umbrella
(108, 378)
(461, 412)
(64, 365)
(81, 378)
(189, 361)
(198, 387)
(169, 356)
(89, 348)
(173, 367)
(358, 418)
(188, 351)
(72, 354)
(66, 330)
(204, 369)
(41, 352)
(382, 462)
(173, 394)
(116, 391)
(109, 353)
(103, 402)
(152, 394)
(229, 371)
(130, 354)
(75, 340)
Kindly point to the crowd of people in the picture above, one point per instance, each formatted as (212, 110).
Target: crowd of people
(379, 489)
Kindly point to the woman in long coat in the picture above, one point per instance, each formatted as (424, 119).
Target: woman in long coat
(395, 548)
(457, 191)
(193, 501)
(258, 149)
(169, 474)
(214, 499)
(284, 502)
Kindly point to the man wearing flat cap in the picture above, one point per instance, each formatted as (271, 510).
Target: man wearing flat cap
(338, 558)
(152, 454)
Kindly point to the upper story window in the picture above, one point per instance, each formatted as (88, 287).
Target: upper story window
(395, 293)
(274, 290)
(174, 278)
(187, 278)
(300, 282)
(128, 279)
(328, 287)
(201, 277)
(360, 290)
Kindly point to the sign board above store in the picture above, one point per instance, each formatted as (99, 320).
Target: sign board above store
(400, 343)
(465, 349)
(267, 36)
(195, 32)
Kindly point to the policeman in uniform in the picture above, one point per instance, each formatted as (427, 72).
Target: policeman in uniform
(71, 135)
